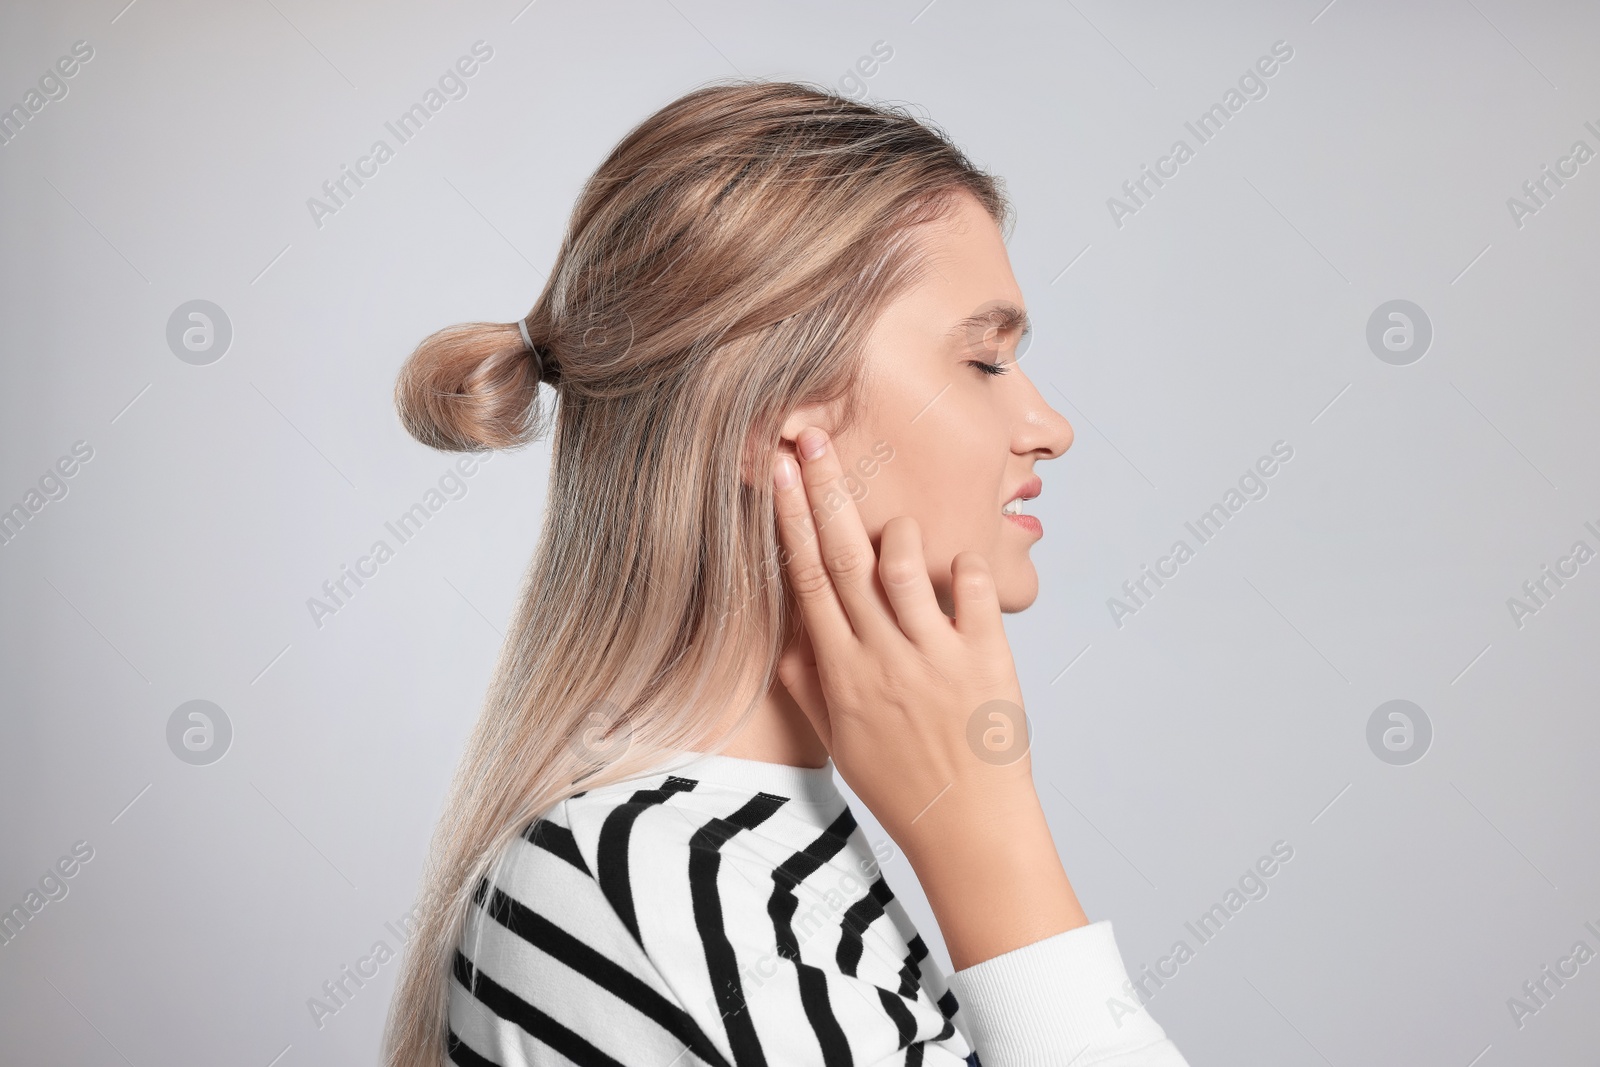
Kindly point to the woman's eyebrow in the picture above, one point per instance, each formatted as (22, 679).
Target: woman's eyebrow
(1003, 316)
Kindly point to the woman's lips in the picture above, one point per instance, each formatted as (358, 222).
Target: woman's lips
(1028, 490)
(1028, 522)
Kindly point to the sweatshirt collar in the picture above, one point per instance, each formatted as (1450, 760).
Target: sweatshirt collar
(806, 785)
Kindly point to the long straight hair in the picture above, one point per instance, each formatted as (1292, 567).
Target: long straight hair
(723, 267)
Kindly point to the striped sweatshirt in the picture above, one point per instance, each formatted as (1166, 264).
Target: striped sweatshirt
(731, 913)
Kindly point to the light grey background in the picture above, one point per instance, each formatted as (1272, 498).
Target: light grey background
(1228, 313)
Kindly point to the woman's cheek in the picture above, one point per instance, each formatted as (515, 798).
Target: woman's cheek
(942, 538)
(870, 505)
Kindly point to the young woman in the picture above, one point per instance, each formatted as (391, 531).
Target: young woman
(790, 447)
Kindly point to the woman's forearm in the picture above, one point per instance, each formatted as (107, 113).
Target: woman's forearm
(992, 875)
(1039, 985)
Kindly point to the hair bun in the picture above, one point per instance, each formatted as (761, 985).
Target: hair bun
(472, 388)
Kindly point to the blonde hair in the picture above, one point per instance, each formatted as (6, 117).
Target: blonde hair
(722, 267)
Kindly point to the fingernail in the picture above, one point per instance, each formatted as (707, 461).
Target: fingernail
(813, 442)
(784, 472)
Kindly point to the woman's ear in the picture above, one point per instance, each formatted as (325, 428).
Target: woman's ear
(823, 415)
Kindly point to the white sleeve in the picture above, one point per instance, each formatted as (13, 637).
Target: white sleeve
(1063, 1000)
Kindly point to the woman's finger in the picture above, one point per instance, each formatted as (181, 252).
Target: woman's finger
(846, 550)
(903, 569)
(820, 609)
(976, 602)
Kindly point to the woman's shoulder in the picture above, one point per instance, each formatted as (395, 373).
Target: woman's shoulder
(746, 907)
(659, 819)
(658, 851)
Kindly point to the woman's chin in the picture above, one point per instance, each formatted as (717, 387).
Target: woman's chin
(1017, 587)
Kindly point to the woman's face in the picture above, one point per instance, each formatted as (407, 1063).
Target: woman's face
(943, 440)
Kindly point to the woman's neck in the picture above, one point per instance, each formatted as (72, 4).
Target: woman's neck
(778, 732)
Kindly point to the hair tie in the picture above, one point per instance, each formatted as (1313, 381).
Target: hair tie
(527, 342)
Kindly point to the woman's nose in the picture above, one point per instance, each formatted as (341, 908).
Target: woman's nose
(1042, 428)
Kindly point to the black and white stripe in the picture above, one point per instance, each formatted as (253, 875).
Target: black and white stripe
(697, 920)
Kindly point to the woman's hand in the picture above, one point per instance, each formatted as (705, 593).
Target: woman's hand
(921, 713)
